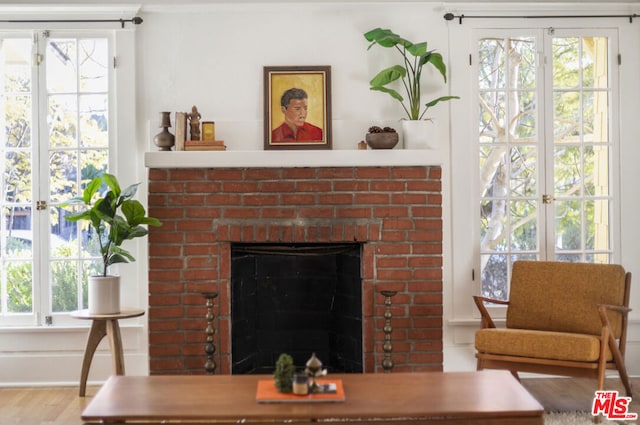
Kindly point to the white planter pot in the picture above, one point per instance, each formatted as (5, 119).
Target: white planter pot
(419, 134)
(104, 294)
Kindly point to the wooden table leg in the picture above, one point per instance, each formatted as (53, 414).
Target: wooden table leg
(98, 331)
(115, 342)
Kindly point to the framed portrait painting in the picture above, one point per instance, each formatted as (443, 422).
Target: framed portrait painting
(297, 107)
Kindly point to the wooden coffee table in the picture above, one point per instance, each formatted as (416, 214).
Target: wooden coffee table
(485, 398)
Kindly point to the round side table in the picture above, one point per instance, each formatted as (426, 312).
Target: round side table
(103, 325)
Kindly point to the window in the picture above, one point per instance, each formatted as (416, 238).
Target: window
(55, 104)
(544, 149)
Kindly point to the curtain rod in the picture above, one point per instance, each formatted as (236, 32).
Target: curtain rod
(136, 21)
(451, 16)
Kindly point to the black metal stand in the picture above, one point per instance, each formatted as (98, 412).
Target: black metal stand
(387, 347)
(210, 348)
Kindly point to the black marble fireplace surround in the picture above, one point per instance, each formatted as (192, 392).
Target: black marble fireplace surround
(297, 299)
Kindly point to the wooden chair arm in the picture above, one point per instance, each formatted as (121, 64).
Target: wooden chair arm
(619, 308)
(486, 321)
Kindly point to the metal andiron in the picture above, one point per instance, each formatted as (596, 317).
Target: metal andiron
(209, 347)
(387, 347)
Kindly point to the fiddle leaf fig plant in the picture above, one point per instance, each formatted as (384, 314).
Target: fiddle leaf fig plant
(114, 216)
(414, 57)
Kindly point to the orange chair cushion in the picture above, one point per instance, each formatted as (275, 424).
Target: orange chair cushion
(540, 344)
(563, 297)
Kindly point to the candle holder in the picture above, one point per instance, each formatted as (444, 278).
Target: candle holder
(209, 347)
(387, 347)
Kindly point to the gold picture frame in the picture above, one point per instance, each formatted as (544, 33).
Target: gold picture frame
(297, 107)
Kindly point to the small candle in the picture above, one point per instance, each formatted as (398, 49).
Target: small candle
(300, 384)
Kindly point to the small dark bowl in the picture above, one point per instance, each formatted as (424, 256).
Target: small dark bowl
(382, 140)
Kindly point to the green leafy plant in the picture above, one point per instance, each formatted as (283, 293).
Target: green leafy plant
(114, 216)
(283, 374)
(414, 57)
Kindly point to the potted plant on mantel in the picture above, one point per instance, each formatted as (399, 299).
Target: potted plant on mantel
(414, 57)
(115, 218)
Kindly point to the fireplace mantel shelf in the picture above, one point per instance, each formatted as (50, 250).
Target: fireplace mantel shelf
(290, 158)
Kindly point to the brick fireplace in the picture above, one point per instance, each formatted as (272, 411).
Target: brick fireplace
(394, 212)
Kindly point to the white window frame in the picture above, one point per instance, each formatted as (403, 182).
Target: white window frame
(124, 162)
(465, 232)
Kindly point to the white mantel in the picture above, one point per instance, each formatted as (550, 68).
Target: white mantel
(290, 158)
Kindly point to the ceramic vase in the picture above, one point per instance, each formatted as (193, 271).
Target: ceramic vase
(165, 140)
(104, 295)
(419, 134)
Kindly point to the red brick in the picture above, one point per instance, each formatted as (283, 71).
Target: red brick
(165, 300)
(393, 249)
(187, 174)
(406, 173)
(247, 213)
(260, 200)
(424, 186)
(408, 198)
(262, 174)
(166, 187)
(373, 173)
(313, 186)
(200, 237)
(163, 325)
(372, 198)
(382, 212)
(425, 236)
(335, 199)
(434, 299)
(165, 251)
(387, 186)
(423, 261)
(166, 312)
(336, 173)
(166, 263)
(391, 262)
(363, 212)
(201, 274)
(298, 173)
(394, 236)
(423, 274)
(166, 338)
(164, 350)
(221, 199)
(185, 200)
(298, 199)
(202, 187)
(277, 187)
(316, 212)
(217, 174)
(398, 274)
(435, 173)
(156, 174)
(194, 225)
(351, 186)
(239, 187)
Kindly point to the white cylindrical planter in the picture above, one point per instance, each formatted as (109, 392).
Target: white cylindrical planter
(419, 134)
(104, 294)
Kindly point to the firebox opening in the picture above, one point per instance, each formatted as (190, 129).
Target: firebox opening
(296, 299)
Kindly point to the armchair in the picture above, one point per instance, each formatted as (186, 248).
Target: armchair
(562, 318)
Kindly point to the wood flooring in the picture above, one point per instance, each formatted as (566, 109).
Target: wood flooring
(62, 406)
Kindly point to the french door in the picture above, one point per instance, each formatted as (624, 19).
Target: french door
(546, 141)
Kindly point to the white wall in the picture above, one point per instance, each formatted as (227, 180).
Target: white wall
(212, 56)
